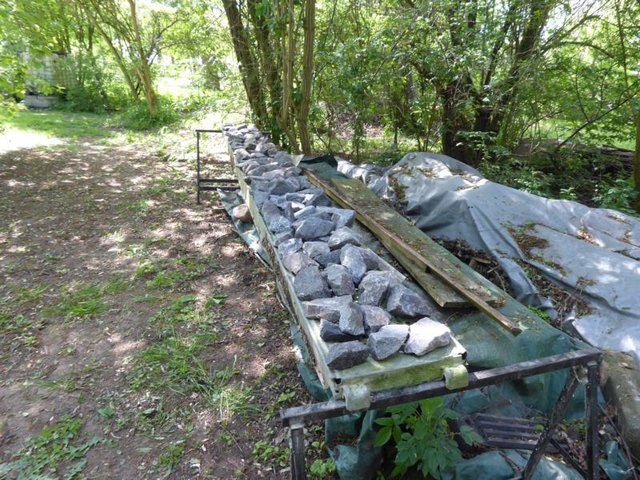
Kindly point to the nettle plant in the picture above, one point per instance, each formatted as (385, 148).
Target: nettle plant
(423, 437)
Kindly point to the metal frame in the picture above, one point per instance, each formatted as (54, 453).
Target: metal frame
(204, 184)
(296, 418)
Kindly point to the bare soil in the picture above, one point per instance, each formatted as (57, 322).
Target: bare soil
(120, 220)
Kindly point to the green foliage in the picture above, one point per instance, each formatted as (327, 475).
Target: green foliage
(619, 194)
(322, 469)
(81, 301)
(421, 433)
(53, 453)
(137, 116)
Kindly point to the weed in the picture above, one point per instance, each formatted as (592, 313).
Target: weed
(160, 186)
(215, 300)
(84, 301)
(168, 461)
(55, 451)
(265, 452)
(321, 469)
(140, 207)
(115, 286)
(29, 294)
(107, 413)
(541, 313)
(422, 437)
(21, 327)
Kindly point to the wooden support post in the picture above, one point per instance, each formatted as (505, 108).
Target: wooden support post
(298, 468)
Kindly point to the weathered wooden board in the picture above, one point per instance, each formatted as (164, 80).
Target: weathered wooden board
(399, 235)
(397, 371)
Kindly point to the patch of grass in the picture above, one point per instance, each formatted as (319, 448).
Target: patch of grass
(21, 328)
(169, 460)
(174, 361)
(62, 124)
(29, 294)
(265, 452)
(160, 186)
(139, 207)
(55, 453)
(84, 301)
(161, 274)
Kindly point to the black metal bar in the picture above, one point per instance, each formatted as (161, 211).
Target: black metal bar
(567, 456)
(556, 416)
(198, 166)
(298, 469)
(218, 180)
(335, 408)
(219, 187)
(592, 443)
(205, 130)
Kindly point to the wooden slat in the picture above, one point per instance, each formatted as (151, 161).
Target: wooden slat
(398, 234)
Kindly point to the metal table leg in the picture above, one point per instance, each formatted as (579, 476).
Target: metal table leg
(592, 443)
(555, 418)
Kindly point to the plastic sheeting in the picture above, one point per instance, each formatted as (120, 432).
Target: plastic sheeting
(595, 252)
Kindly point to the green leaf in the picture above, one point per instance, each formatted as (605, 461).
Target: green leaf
(383, 436)
(470, 436)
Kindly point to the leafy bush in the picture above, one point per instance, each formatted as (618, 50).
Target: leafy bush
(422, 436)
(620, 194)
(137, 117)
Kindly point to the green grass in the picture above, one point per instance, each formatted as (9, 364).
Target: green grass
(174, 361)
(56, 452)
(62, 124)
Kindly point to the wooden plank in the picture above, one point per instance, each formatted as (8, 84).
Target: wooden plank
(397, 233)
(443, 295)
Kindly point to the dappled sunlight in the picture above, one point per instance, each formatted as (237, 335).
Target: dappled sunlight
(13, 139)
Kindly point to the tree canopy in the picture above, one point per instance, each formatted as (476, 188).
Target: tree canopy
(470, 78)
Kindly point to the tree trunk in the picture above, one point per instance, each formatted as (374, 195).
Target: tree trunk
(248, 65)
(143, 69)
(636, 164)
(307, 75)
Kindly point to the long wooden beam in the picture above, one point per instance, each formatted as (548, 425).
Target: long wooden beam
(390, 227)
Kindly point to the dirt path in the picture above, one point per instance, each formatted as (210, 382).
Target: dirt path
(138, 336)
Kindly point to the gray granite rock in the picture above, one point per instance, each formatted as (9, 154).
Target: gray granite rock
(290, 246)
(240, 154)
(343, 218)
(374, 318)
(387, 341)
(318, 199)
(344, 236)
(259, 197)
(270, 211)
(312, 228)
(328, 258)
(315, 249)
(283, 236)
(373, 288)
(346, 355)
(325, 308)
(407, 303)
(330, 332)
(305, 212)
(279, 224)
(371, 258)
(241, 212)
(282, 157)
(426, 335)
(339, 280)
(283, 186)
(351, 257)
(309, 284)
(297, 261)
(351, 319)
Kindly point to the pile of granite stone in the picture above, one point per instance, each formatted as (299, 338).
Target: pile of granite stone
(359, 299)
